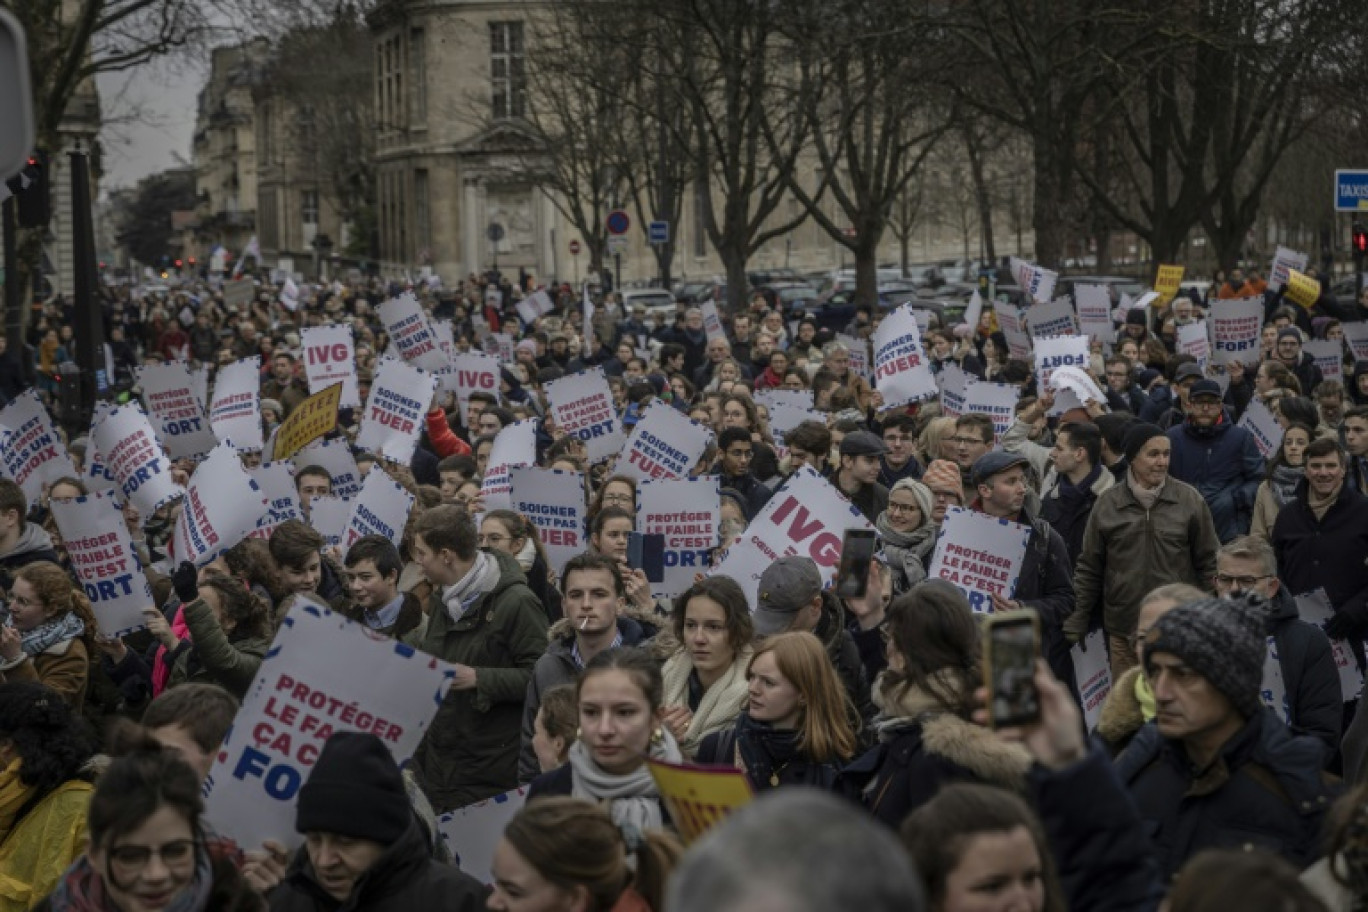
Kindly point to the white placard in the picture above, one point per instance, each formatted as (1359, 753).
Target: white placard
(176, 410)
(1356, 337)
(222, 506)
(472, 832)
(515, 446)
(1284, 261)
(859, 355)
(712, 322)
(1329, 355)
(1273, 689)
(411, 333)
(686, 512)
(665, 443)
(1092, 672)
(1013, 326)
(1093, 303)
(199, 380)
(105, 561)
(396, 410)
(334, 456)
(1054, 352)
(1056, 318)
(328, 515)
(31, 452)
(330, 357)
(95, 473)
(382, 508)
(784, 418)
(1073, 388)
(534, 305)
(902, 373)
(1315, 608)
(979, 554)
(131, 453)
(582, 405)
(235, 413)
(996, 400)
(472, 372)
(1260, 422)
(769, 398)
(1035, 281)
(1193, 339)
(974, 312)
(554, 501)
(1235, 327)
(807, 516)
(952, 381)
(276, 481)
(309, 687)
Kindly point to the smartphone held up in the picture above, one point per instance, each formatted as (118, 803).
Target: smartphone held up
(1011, 645)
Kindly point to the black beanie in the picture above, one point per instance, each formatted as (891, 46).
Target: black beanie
(1136, 316)
(355, 789)
(1137, 435)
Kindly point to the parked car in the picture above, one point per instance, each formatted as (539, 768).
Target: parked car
(655, 300)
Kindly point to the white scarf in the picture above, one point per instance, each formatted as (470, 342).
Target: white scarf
(633, 799)
(482, 578)
(526, 556)
(721, 703)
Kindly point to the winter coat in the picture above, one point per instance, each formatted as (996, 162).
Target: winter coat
(403, 879)
(1265, 791)
(1045, 584)
(34, 546)
(557, 666)
(1315, 703)
(718, 706)
(749, 487)
(444, 441)
(63, 666)
(870, 499)
(1121, 716)
(724, 748)
(1223, 463)
(408, 627)
(214, 657)
(289, 394)
(889, 476)
(1067, 508)
(1266, 510)
(1128, 551)
(844, 655)
(42, 843)
(470, 752)
(1330, 552)
(1308, 374)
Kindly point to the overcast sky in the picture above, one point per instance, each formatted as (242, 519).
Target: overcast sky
(150, 120)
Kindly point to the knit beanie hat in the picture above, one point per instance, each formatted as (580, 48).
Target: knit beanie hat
(1223, 640)
(355, 789)
(1137, 435)
(944, 475)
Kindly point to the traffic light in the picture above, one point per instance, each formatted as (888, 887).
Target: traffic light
(178, 264)
(1360, 241)
(35, 202)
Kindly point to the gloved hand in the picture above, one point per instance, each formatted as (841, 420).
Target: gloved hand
(185, 580)
(1343, 625)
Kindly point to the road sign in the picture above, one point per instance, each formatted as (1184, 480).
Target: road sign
(574, 248)
(618, 222)
(659, 232)
(617, 244)
(16, 100)
(1351, 191)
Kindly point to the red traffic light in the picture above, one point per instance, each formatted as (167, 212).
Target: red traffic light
(178, 264)
(1360, 240)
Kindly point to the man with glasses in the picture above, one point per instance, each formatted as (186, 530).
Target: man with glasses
(1123, 393)
(1308, 696)
(973, 438)
(734, 465)
(1217, 458)
(899, 437)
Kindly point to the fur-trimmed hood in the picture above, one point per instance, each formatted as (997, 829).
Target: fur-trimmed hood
(1121, 716)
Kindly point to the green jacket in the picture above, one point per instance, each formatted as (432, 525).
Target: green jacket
(215, 659)
(471, 751)
(1128, 551)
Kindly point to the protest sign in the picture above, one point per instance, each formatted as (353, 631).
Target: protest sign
(1012, 324)
(124, 438)
(1035, 281)
(472, 372)
(952, 381)
(1272, 687)
(328, 515)
(310, 420)
(396, 410)
(307, 689)
(806, 516)
(381, 508)
(1329, 355)
(902, 373)
(1073, 388)
(534, 305)
(176, 412)
(222, 506)
(1193, 339)
(1092, 673)
(1166, 282)
(335, 457)
(979, 554)
(859, 354)
(554, 501)
(96, 474)
(784, 418)
(515, 446)
(665, 443)
(1054, 319)
(1302, 289)
(105, 560)
(1314, 607)
(31, 452)
(1235, 327)
(503, 347)
(472, 832)
(582, 405)
(445, 338)
(1260, 422)
(235, 412)
(712, 322)
(973, 313)
(238, 293)
(199, 381)
(686, 512)
(1284, 261)
(1054, 352)
(411, 333)
(698, 797)
(1356, 337)
(1093, 303)
(769, 398)
(996, 400)
(276, 481)
(330, 357)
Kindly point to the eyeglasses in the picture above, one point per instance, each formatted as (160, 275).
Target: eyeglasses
(894, 507)
(130, 860)
(967, 441)
(1240, 582)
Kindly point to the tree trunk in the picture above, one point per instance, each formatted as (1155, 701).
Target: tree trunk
(734, 258)
(867, 275)
(1051, 201)
(982, 198)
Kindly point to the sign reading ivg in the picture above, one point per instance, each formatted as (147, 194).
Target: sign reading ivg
(1351, 191)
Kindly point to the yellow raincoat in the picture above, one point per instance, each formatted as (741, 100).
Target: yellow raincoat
(41, 846)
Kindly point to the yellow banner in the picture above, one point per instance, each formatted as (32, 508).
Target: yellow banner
(310, 420)
(1166, 283)
(698, 797)
(1302, 289)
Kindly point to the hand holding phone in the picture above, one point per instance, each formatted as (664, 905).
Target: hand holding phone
(1011, 645)
(857, 553)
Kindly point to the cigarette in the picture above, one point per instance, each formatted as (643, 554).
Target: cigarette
(584, 623)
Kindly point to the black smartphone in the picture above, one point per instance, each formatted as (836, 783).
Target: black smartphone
(857, 552)
(1011, 645)
(646, 552)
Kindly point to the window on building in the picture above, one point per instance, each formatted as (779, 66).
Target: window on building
(418, 75)
(308, 207)
(508, 80)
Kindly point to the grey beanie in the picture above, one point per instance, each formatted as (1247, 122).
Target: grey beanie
(1223, 640)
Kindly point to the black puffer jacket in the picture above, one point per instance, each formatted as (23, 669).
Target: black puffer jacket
(1314, 702)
